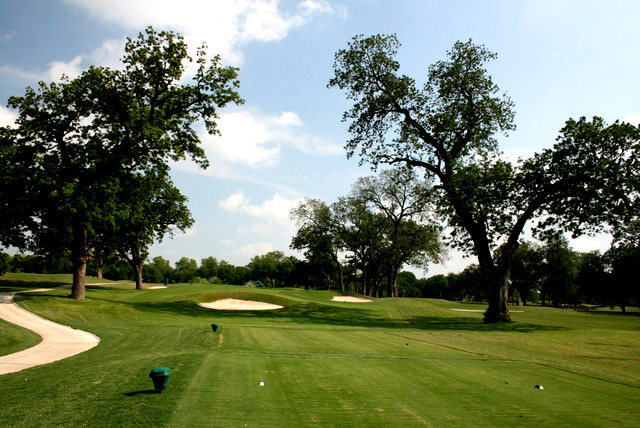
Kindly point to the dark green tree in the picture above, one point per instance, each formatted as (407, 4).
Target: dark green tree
(560, 269)
(448, 129)
(149, 207)
(593, 278)
(317, 236)
(266, 268)
(158, 271)
(410, 233)
(527, 270)
(186, 269)
(78, 143)
(360, 231)
(624, 287)
(208, 269)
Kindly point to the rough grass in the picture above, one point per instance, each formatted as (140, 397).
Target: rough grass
(392, 362)
(14, 338)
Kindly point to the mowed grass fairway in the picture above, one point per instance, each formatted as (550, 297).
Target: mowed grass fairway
(392, 362)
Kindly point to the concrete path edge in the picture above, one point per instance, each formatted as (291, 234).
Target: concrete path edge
(58, 341)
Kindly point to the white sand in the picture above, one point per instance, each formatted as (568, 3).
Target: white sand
(239, 305)
(58, 341)
(155, 287)
(350, 299)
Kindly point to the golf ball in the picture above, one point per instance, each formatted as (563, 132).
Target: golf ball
(261, 383)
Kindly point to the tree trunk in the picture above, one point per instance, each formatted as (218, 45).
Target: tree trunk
(79, 257)
(102, 261)
(135, 261)
(138, 273)
(498, 310)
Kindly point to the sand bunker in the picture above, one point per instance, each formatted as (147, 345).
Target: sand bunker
(239, 305)
(155, 287)
(350, 299)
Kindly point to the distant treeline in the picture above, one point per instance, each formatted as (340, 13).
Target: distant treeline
(549, 274)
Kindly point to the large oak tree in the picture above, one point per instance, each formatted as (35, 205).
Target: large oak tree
(448, 129)
(80, 143)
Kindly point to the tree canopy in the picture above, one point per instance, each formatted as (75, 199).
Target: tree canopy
(86, 149)
(382, 225)
(448, 129)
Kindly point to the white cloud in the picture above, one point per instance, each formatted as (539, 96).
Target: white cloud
(108, 54)
(255, 140)
(234, 202)
(633, 119)
(54, 73)
(7, 36)
(189, 233)
(227, 242)
(224, 25)
(70, 69)
(255, 249)
(245, 139)
(256, 229)
(7, 117)
(276, 208)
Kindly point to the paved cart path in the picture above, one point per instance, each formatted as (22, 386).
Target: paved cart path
(58, 341)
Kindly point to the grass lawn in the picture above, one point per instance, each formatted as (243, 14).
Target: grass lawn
(392, 362)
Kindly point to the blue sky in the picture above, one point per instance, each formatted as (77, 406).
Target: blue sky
(556, 59)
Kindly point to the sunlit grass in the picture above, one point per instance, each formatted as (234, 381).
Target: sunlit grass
(391, 362)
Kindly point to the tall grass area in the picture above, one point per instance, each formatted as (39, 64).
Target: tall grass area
(392, 362)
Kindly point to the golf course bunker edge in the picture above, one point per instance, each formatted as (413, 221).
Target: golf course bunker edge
(350, 299)
(239, 305)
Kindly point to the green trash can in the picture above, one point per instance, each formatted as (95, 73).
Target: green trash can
(214, 327)
(160, 377)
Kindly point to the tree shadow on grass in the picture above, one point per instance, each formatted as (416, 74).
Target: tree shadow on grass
(143, 392)
(476, 324)
(11, 285)
(330, 315)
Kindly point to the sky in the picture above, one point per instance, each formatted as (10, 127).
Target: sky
(557, 59)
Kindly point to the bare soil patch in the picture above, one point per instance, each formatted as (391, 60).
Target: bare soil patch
(350, 299)
(239, 305)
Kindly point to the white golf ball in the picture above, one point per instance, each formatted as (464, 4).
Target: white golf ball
(261, 383)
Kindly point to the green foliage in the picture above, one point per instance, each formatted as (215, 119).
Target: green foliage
(186, 269)
(89, 158)
(117, 271)
(383, 224)
(588, 179)
(208, 268)
(527, 270)
(230, 274)
(4, 262)
(624, 261)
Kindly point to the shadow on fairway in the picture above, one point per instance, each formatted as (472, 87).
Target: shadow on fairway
(143, 392)
(10, 285)
(476, 324)
(319, 314)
